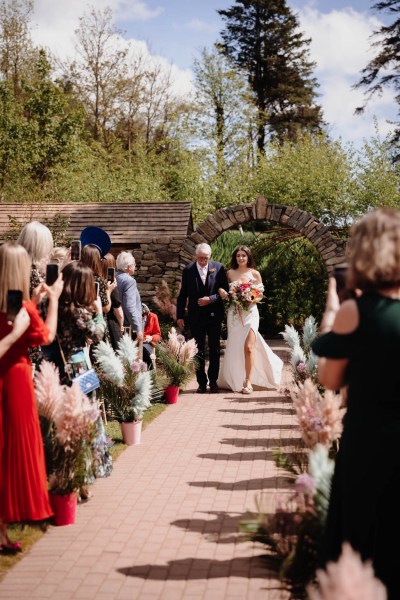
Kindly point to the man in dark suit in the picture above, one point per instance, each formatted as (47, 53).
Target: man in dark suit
(201, 281)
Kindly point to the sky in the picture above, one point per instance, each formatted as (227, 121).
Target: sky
(174, 31)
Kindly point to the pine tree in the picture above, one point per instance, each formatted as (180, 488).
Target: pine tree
(383, 71)
(263, 39)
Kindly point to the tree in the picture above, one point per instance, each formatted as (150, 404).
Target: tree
(262, 38)
(16, 48)
(99, 73)
(383, 71)
(224, 113)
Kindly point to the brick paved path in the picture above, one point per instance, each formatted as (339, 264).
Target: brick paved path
(165, 524)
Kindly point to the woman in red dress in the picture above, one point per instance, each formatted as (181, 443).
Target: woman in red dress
(23, 484)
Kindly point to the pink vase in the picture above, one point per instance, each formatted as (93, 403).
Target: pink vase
(64, 508)
(131, 433)
(171, 393)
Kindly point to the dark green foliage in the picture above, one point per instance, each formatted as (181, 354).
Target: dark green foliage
(295, 280)
(383, 71)
(262, 38)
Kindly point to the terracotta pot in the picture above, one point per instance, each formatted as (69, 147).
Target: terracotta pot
(64, 508)
(171, 393)
(131, 433)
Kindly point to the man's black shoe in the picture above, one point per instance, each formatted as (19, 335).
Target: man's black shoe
(214, 389)
(202, 389)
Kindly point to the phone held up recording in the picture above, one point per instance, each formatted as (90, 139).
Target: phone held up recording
(51, 273)
(97, 288)
(14, 304)
(343, 292)
(76, 250)
(110, 274)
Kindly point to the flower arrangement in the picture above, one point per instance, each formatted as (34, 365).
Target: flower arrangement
(243, 295)
(126, 384)
(347, 579)
(68, 421)
(302, 360)
(176, 358)
(320, 416)
(293, 533)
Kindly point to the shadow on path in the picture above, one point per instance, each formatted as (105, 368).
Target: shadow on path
(260, 427)
(269, 443)
(241, 456)
(278, 411)
(187, 569)
(223, 529)
(261, 483)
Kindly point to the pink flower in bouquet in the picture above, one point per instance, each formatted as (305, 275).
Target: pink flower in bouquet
(242, 295)
(305, 484)
(301, 367)
(136, 367)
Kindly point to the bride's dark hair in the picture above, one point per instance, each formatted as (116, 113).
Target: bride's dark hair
(250, 259)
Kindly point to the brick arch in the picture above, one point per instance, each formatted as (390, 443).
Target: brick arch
(330, 248)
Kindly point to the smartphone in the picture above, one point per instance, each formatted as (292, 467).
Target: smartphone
(76, 250)
(14, 304)
(343, 292)
(110, 274)
(127, 330)
(97, 288)
(51, 273)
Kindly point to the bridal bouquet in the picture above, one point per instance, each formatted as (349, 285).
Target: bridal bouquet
(243, 295)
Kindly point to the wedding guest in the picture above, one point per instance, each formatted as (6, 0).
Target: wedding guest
(201, 280)
(129, 294)
(360, 349)
(37, 240)
(81, 323)
(90, 256)
(115, 317)
(151, 332)
(23, 483)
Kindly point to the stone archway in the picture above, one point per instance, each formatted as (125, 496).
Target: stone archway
(331, 249)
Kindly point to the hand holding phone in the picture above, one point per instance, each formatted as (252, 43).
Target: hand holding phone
(110, 274)
(343, 292)
(76, 250)
(51, 273)
(14, 304)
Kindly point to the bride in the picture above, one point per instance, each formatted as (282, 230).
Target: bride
(248, 360)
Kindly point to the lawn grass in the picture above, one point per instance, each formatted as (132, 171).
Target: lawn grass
(29, 534)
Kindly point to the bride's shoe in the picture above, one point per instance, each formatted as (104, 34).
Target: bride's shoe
(247, 389)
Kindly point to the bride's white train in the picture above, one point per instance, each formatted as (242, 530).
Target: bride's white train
(267, 365)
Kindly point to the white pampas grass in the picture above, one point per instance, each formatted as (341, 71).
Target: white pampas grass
(291, 336)
(309, 332)
(143, 388)
(49, 391)
(348, 579)
(127, 350)
(109, 363)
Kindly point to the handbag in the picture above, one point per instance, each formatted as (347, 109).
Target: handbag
(79, 369)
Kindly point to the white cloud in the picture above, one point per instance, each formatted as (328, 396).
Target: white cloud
(199, 25)
(54, 29)
(341, 48)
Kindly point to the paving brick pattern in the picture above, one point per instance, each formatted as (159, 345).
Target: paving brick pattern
(164, 526)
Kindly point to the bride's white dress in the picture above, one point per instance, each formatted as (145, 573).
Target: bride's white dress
(267, 365)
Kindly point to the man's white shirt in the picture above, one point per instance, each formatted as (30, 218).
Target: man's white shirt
(202, 272)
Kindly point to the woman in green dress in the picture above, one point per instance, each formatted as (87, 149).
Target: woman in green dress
(361, 350)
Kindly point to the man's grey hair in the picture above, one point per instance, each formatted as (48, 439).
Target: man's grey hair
(203, 248)
(125, 260)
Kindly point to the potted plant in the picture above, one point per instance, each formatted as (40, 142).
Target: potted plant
(68, 422)
(176, 357)
(126, 385)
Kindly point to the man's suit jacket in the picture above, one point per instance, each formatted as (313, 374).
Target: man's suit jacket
(192, 289)
(130, 299)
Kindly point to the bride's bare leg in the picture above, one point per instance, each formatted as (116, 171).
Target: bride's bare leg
(249, 346)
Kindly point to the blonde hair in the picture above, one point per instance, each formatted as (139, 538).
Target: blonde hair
(374, 251)
(59, 255)
(15, 268)
(37, 240)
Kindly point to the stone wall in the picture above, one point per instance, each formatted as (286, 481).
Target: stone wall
(164, 257)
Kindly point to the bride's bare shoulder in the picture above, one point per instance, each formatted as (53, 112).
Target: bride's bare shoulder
(256, 274)
(231, 274)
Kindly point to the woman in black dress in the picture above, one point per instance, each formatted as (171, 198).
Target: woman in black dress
(361, 350)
